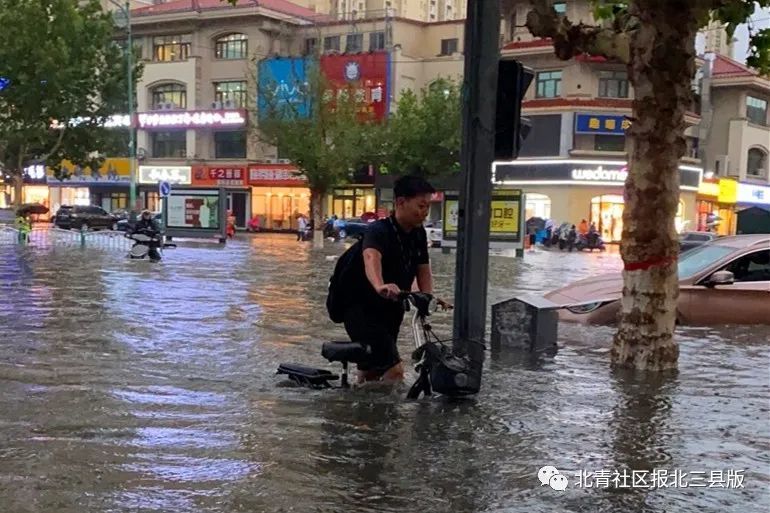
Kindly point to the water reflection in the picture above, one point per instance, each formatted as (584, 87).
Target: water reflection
(127, 386)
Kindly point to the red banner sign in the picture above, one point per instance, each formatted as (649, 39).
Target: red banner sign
(225, 176)
(275, 175)
(366, 75)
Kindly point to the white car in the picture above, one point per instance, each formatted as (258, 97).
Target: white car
(435, 233)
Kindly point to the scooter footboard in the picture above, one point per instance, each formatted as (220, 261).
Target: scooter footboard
(307, 376)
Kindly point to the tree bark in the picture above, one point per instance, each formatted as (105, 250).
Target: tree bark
(316, 208)
(661, 69)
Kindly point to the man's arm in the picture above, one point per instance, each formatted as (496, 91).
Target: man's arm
(373, 268)
(425, 278)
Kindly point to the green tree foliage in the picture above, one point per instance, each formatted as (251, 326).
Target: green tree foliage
(62, 66)
(423, 136)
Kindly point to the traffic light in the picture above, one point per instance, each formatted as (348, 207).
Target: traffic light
(511, 129)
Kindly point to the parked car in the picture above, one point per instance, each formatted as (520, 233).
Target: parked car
(435, 233)
(82, 217)
(352, 227)
(724, 281)
(690, 240)
(124, 224)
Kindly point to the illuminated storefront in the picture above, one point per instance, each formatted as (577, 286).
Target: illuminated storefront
(715, 207)
(107, 187)
(150, 176)
(570, 190)
(351, 202)
(278, 196)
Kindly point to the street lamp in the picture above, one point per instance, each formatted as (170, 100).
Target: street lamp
(125, 10)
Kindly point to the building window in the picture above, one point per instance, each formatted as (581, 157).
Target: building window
(756, 110)
(757, 163)
(332, 44)
(230, 145)
(613, 84)
(560, 8)
(376, 41)
(233, 46)
(172, 144)
(610, 143)
(169, 96)
(171, 48)
(311, 45)
(231, 95)
(354, 43)
(549, 84)
(448, 46)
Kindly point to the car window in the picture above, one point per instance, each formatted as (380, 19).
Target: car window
(694, 261)
(81, 210)
(754, 266)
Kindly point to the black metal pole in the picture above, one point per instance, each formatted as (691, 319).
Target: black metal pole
(482, 53)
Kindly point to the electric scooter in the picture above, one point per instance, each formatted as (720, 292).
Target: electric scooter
(439, 370)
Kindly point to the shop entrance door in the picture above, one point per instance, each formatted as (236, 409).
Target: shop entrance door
(237, 203)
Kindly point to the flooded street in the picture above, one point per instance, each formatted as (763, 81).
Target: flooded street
(129, 386)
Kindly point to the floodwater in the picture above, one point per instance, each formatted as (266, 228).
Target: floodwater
(128, 386)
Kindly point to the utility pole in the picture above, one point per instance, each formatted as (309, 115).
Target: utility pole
(482, 54)
(132, 126)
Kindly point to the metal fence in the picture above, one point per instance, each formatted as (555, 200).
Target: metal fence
(46, 237)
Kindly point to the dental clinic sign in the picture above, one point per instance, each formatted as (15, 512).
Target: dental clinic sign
(600, 174)
(192, 119)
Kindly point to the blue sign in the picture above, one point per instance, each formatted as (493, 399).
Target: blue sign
(165, 189)
(601, 124)
(283, 86)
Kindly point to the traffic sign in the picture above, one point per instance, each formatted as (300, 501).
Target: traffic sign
(164, 188)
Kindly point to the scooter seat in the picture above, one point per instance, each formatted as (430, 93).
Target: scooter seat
(305, 375)
(353, 352)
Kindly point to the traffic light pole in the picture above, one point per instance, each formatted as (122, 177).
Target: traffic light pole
(482, 53)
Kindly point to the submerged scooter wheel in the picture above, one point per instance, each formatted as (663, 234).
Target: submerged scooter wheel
(138, 251)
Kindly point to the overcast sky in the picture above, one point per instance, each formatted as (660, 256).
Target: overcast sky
(761, 20)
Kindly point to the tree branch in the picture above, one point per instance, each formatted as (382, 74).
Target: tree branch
(59, 140)
(571, 39)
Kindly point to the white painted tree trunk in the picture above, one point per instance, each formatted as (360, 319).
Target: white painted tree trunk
(316, 197)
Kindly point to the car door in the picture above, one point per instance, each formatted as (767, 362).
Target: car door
(100, 217)
(746, 301)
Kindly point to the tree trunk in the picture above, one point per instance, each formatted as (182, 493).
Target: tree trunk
(18, 189)
(661, 69)
(316, 209)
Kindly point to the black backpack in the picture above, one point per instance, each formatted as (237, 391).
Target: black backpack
(344, 281)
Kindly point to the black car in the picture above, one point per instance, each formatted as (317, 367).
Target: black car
(690, 240)
(84, 218)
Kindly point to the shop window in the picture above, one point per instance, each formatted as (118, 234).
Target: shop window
(538, 205)
(171, 48)
(756, 110)
(169, 96)
(232, 46)
(610, 143)
(607, 214)
(549, 84)
(230, 145)
(231, 95)
(613, 84)
(172, 144)
(757, 163)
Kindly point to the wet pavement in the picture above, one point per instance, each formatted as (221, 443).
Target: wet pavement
(128, 386)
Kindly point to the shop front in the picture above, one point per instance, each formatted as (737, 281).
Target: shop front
(149, 178)
(351, 202)
(278, 195)
(570, 190)
(107, 187)
(715, 206)
(234, 180)
(753, 202)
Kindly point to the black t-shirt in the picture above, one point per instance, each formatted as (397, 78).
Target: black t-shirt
(402, 252)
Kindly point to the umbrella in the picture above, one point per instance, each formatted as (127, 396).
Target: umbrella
(536, 223)
(32, 208)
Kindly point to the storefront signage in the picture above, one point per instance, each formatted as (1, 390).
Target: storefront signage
(282, 85)
(192, 119)
(601, 124)
(728, 191)
(276, 175)
(366, 74)
(755, 194)
(224, 176)
(114, 121)
(600, 174)
(709, 188)
(577, 172)
(112, 171)
(34, 174)
(504, 219)
(173, 174)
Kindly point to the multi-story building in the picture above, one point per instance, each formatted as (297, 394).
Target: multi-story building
(419, 10)
(573, 164)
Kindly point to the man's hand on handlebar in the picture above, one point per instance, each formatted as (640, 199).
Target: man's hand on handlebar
(444, 304)
(389, 291)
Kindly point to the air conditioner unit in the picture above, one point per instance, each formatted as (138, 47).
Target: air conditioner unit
(229, 104)
(284, 161)
(166, 106)
(216, 105)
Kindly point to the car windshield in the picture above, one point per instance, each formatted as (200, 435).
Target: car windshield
(695, 260)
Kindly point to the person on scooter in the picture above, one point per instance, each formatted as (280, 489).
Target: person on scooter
(146, 223)
(395, 253)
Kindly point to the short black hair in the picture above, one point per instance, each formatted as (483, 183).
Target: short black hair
(410, 186)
